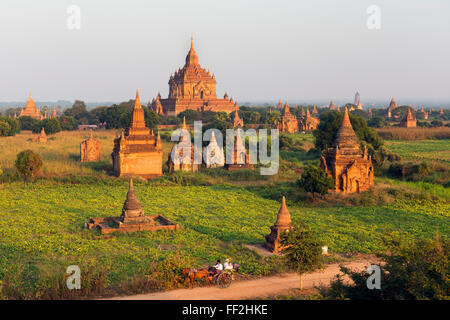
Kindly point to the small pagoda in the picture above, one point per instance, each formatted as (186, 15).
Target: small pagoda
(409, 121)
(240, 158)
(132, 219)
(332, 106)
(137, 151)
(237, 122)
(213, 154)
(42, 137)
(289, 122)
(283, 224)
(392, 106)
(90, 149)
(182, 155)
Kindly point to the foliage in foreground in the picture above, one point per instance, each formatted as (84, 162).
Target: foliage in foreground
(314, 180)
(28, 164)
(411, 271)
(302, 251)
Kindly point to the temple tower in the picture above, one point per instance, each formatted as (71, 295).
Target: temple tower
(350, 168)
(137, 151)
(283, 224)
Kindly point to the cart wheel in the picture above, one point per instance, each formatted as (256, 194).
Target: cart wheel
(224, 280)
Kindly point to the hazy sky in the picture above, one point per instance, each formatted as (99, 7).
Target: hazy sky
(258, 50)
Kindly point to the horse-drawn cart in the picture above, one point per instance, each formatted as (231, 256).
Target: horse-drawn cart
(222, 279)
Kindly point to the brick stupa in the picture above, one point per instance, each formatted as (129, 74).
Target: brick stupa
(90, 149)
(240, 158)
(42, 137)
(237, 121)
(192, 88)
(392, 106)
(350, 168)
(409, 121)
(283, 224)
(332, 107)
(132, 218)
(182, 155)
(137, 151)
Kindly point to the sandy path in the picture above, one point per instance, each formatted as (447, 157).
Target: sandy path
(248, 289)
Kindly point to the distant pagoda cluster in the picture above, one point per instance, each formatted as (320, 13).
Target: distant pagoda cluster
(289, 123)
(192, 88)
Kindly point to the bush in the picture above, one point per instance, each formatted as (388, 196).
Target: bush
(411, 271)
(28, 123)
(68, 123)
(302, 251)
(409, 170)
(9, 126)
(28, 164)
(50, 126)
(314, 180)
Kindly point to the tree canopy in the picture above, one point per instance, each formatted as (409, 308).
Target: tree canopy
(330, 122)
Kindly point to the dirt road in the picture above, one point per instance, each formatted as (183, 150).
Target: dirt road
(248, 289)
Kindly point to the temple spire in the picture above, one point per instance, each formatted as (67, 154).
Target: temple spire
(346, 137)
(137, 102)
(137, 116)
(131, 203)
(283, 217)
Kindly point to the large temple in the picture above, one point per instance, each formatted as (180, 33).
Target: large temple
(31, 110)
(351, 168)
(137, 151)
(192, 88)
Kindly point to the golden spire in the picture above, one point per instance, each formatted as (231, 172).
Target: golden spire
(137, 102)
(137, 117)
(192, 57)
(184, 124)
(283, 217)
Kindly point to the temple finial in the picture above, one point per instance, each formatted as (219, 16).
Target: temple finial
(192, 42)
(137, 103)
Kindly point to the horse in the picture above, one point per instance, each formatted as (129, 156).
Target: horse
(194, 274)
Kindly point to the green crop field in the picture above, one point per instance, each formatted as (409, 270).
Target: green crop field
(422, 149)
(42, 223)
